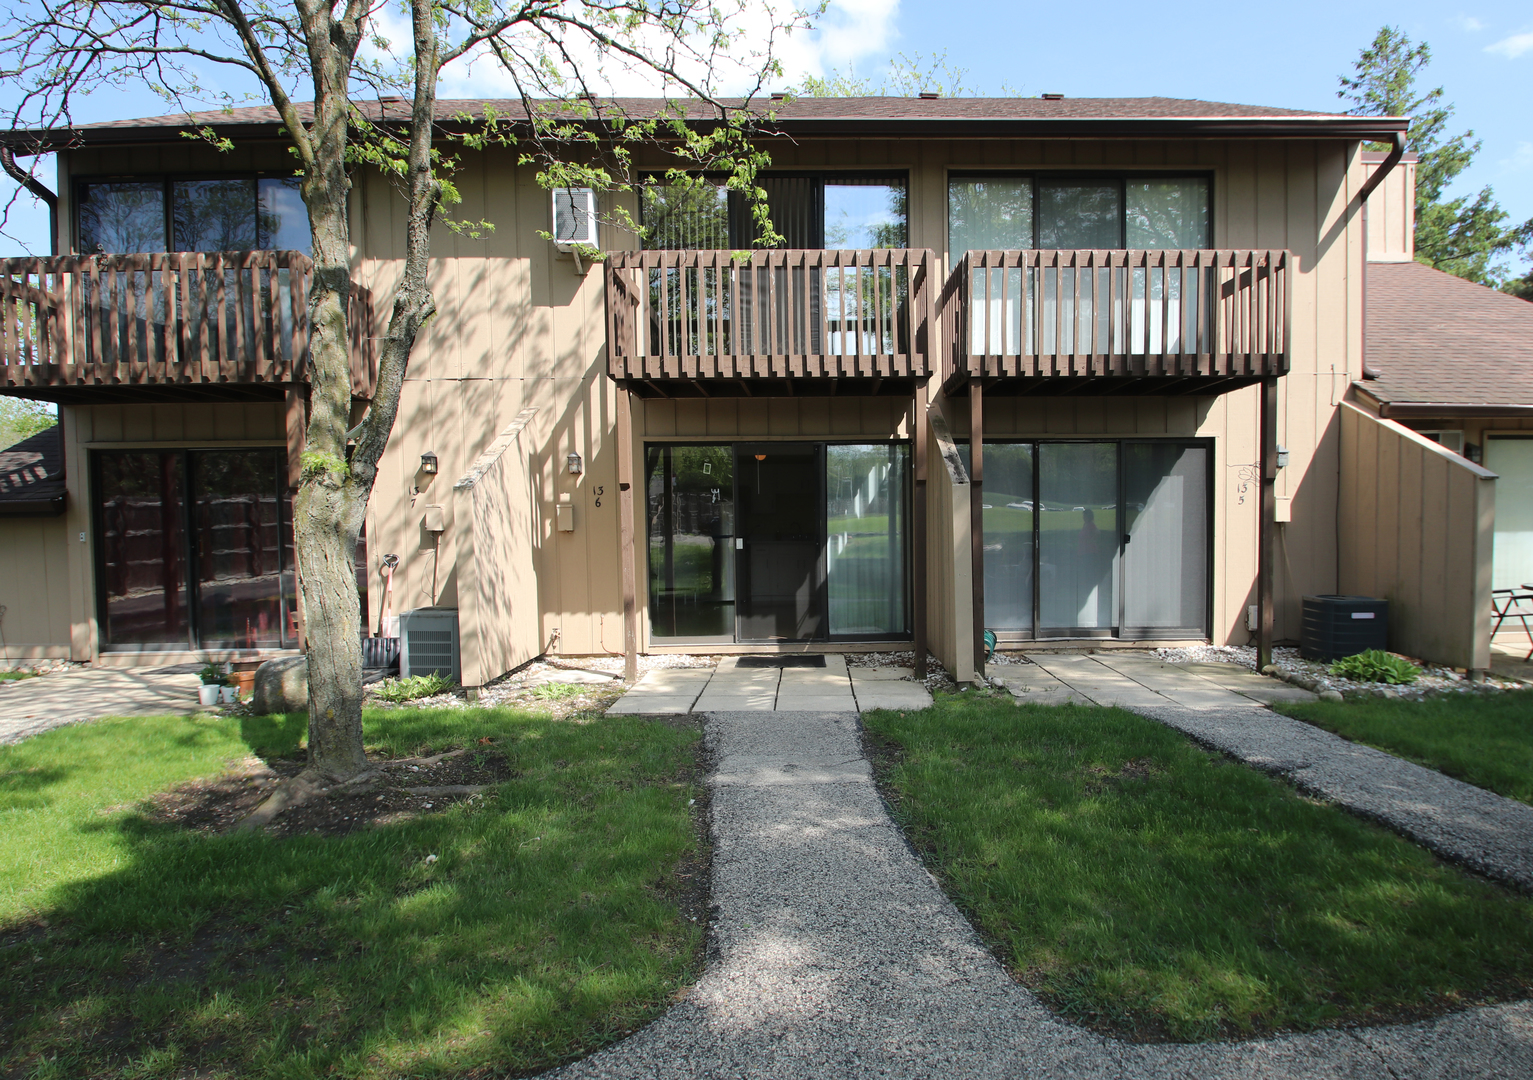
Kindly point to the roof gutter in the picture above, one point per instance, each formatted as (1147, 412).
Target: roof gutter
(35, 186)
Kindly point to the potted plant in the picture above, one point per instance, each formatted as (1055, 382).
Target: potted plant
(211, 690)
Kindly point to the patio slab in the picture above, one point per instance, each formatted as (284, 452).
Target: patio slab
(731, 688)
(1139, 681)
(31, 706)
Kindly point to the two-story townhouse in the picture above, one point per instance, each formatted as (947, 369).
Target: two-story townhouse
(1011, 370)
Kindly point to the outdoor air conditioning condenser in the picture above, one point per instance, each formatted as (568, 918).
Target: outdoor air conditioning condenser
(428, 640)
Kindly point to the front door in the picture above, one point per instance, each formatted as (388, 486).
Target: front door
(780, 541)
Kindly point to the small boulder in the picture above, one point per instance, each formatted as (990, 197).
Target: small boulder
(1332, 695)
(281, 686)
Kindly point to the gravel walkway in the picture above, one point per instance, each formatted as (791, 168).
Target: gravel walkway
(834, 954)
(1462, 823)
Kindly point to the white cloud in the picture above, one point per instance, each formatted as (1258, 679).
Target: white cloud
(1468, 23)
(849, 32)
(1514, 46)
(1519, 162)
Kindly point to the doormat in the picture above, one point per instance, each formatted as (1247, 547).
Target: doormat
(781, 661)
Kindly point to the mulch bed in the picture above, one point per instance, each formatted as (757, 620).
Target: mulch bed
(217, 804)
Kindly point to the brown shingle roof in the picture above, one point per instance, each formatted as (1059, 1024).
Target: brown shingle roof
(959, 117)
(31, 475)
(1435, 338)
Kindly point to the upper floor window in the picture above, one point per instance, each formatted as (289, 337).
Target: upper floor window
(223, 214)
(1001, 213)
(820, 211)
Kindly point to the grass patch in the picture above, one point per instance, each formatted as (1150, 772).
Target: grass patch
(549, 923)
(1482, 740)
(1148, 888)
(12, 676)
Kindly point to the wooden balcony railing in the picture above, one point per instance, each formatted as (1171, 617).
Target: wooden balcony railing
(1044, 314)
(794, 314)
(235, 319)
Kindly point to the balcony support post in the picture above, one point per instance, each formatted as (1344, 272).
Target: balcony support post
(918, 529)
(1266, 522)
(626, 533)
(977, 518)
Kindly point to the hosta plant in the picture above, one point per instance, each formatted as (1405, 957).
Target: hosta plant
(1376, 665)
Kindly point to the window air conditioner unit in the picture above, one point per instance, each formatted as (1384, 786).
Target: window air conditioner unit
(574, 218)
(428, 639)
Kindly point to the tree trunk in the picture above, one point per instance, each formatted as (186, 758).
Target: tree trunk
(331, 503)
(329, 506)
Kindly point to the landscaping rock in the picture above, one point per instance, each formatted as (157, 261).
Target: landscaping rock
(281, 686)
(1331, 695)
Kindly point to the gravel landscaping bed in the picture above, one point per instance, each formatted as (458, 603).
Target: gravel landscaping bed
(561, 686)
(1315, 674)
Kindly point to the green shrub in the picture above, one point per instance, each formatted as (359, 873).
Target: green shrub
(213, 675)
(416, 686)
(1376, 665)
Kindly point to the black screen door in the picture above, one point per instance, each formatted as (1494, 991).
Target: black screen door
(780, 541)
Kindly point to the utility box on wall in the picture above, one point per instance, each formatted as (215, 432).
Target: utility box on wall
(428, 639)
(1337, 626)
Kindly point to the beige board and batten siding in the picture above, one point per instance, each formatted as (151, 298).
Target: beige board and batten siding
(1417, 527)
(34, 588)
(498, 614)
(1392, 210)
(518, 327)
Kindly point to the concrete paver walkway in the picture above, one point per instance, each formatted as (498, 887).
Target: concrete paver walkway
(836, 955)
(731, 687)
(1138, 680)
(30, 706)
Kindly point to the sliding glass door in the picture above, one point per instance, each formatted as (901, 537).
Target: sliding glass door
(691, 499)
(1078, 539)
(1105, 538)
(194, 549)
(866, 514)
(1165, 540)
(779, 541)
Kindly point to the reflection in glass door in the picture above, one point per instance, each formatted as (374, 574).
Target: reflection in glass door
(1008, 516)
(1078, 538)
(1115, 541)
(1165, 537)
(141, 548)
(194, 549)
(866, 514)
(691, 533)
(243, 575)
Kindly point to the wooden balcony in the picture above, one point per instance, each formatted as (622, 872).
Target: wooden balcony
(791, 322)
(1115, 322)
(165, 327)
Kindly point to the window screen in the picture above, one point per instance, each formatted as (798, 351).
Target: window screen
(1170, 213)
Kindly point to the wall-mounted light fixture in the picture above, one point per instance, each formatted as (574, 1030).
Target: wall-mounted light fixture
(428, 463)
(574, 465)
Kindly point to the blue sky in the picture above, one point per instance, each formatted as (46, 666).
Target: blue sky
(1288, 54)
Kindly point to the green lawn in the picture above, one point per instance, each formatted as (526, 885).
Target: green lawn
(1143, 885)
(1486, 741)
(548, 924)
